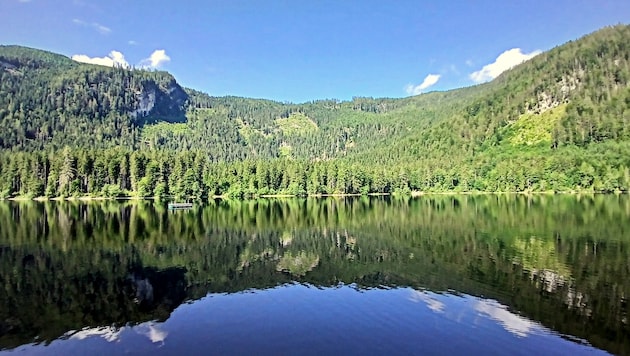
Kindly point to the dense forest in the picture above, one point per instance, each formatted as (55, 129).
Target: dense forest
(558, 122)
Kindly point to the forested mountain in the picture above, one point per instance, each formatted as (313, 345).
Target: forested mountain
(49, 101)
(557, 122)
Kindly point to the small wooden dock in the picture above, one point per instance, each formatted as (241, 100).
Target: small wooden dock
(177, 206)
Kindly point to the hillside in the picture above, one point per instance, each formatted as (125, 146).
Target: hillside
(557, 122)
(49, 101)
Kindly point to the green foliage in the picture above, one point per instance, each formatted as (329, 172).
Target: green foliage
(296, 124)
(285, 151)
(112, 191)
(559, 122)
(145, 188)
(250, 134)
(533, 129)
(161, 190)
(48, 100)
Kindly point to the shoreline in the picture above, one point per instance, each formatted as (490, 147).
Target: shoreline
(413, 194)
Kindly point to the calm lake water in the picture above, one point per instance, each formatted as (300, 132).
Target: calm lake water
(438, 275)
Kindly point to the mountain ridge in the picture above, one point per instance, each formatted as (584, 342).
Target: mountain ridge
(560, 121)
(39, 85)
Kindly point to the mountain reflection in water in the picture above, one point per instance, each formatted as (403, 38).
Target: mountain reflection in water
(491, 274)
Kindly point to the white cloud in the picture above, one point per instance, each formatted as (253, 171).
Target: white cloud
(504, 61)
(117, 59)
(157, 58)
(428, 81)
(102, 29)
(132, 42)
(114, 59)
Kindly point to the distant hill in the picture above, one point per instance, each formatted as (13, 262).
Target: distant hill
(558, 122)
(49, 100)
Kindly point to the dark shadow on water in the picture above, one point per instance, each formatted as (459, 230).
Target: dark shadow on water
(47, 297)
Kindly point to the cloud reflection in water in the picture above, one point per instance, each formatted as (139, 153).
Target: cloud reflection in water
(151, 329)
(486, 308)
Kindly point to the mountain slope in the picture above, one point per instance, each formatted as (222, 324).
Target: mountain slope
(557, 122)
(49, 100)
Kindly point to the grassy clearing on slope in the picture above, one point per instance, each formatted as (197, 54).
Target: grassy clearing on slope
(297, 124)
(247, 131)
(532, 129)
(163, 129)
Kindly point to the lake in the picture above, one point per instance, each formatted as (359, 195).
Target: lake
(487, 274)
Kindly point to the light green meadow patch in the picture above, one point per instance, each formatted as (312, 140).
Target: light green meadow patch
(297, 124)
(247, 131)
(532, 129)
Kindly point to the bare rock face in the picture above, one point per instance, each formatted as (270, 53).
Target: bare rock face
(9, 68)
(7, 65)
(159, 102)
(146, 102)
(560, 94)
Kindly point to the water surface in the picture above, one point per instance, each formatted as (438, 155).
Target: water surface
(452, 275)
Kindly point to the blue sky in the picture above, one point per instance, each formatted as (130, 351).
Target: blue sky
(293, 50)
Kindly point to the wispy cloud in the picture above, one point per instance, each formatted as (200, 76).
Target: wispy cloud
(156, 60)
(132, 42)
(428, 81)
(114, 59)
(102, 29)
(504, 61)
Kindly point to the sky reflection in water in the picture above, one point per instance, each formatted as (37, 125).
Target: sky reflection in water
(304, 319)
(482, 274)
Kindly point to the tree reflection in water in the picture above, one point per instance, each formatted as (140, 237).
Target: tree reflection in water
(86, 266)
